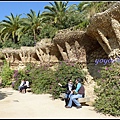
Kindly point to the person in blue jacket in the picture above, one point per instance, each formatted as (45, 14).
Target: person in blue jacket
(79, 92)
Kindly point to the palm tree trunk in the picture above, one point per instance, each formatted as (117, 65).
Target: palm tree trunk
(34, 37)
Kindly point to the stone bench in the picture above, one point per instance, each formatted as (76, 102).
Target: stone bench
(81, 100)
(28, 90)
(84, 100)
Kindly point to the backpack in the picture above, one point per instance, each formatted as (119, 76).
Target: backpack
(82, 91)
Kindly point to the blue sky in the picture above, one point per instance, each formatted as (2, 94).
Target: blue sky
(23, 7)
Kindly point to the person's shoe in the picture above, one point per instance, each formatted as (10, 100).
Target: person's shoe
(67, 106)
(79, 106)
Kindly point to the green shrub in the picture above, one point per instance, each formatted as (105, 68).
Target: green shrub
(26, 40)
(42, 82)
(108, 90)
(40, 77)
(48, 31)
(10, 44)
(6, 75)
(83, 24)
(45, 80)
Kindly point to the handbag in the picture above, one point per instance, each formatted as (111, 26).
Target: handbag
(68, 92)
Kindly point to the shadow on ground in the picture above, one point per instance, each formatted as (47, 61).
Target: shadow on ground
(4, 94)
(84, 104)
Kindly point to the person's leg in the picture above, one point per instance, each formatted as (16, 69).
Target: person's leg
(66, 99)
(70, 95)
(20, 88)
(25, 87)
(70, 101)
(73, 98)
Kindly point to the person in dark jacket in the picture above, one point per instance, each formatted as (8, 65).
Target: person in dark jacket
(79, 92)
(70, 86)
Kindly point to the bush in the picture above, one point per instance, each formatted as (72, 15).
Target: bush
(83, 25)
(48, 32)
(41, 78)
(9, 43)
(6, 75)
(26, 40)
(18, 76)
(108, 90)
(45, 80)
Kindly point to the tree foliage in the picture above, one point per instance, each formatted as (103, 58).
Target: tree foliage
(35, 26)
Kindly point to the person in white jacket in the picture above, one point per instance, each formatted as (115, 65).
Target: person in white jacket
(21, 87)
(26, 85)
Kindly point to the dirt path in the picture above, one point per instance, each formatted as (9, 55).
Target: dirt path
(17, 105)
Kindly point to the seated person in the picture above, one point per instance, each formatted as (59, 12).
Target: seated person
(21, 87)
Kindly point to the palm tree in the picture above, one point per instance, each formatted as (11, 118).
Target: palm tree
(55, 12)
(10, 28)
(33, 22)
(72, 17)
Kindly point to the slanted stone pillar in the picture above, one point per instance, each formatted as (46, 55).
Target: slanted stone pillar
(7, 58)
(47, 57)
(42, 55)
(80, 52)
(64, 54)
(70, 52)
(22, 56)
(104, 42)
(39, 55)
(116, 27)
